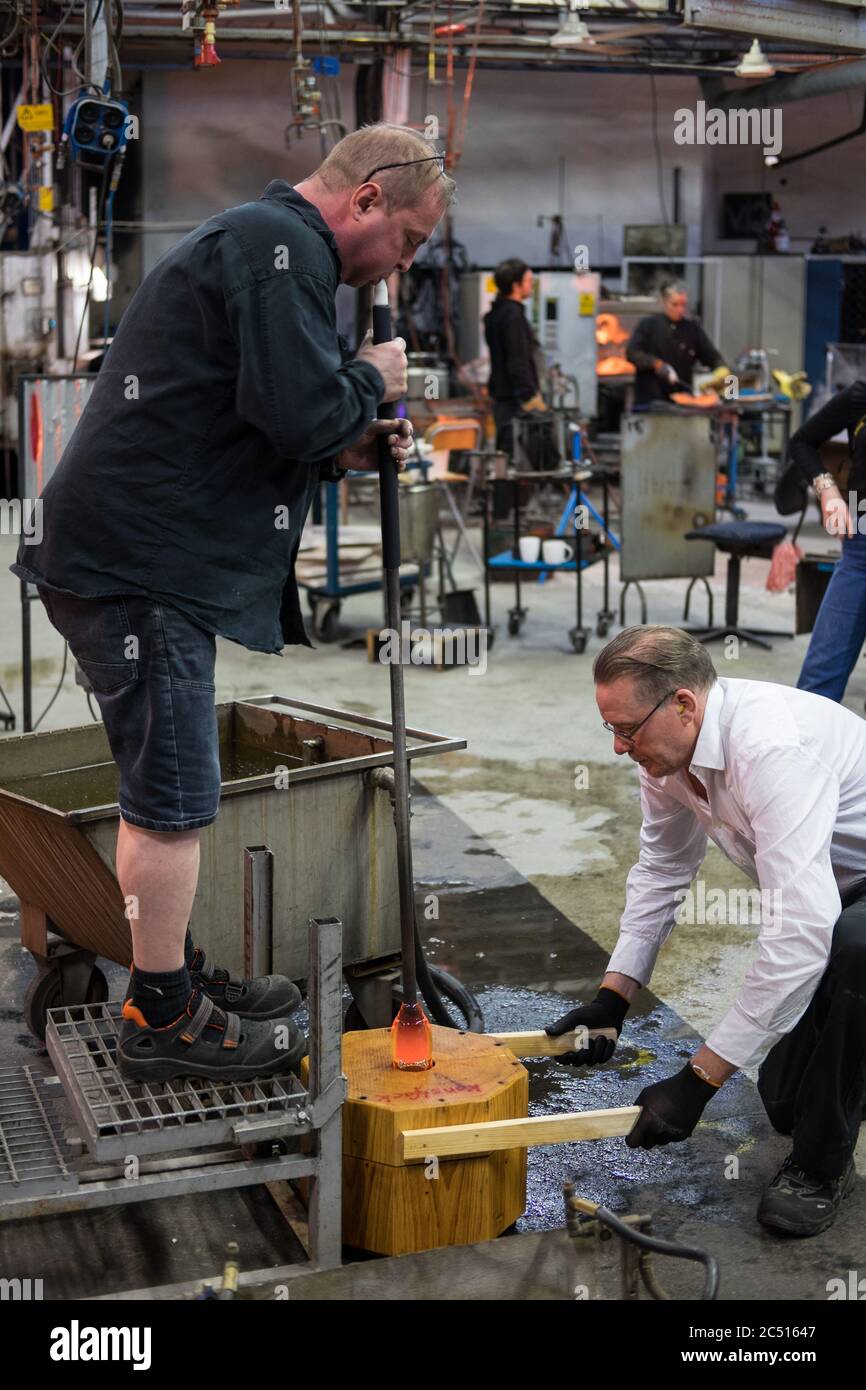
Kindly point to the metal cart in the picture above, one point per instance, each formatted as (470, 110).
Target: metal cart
(587, 550)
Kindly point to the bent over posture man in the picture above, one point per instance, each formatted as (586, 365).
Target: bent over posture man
(776, 777)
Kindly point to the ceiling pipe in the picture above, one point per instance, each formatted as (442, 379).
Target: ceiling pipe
(776, 163)
(832, 77)
(536, 53)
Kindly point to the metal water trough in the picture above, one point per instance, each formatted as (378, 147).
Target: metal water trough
(296, 794)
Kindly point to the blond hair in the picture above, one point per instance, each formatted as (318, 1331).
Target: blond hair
(354, 158)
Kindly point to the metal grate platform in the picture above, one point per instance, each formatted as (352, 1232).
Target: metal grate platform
(31, 1158)
(120, 1117)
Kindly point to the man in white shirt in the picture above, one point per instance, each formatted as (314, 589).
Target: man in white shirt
(776, 777)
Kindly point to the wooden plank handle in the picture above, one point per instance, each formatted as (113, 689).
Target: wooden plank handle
(459, 1141)
(540, 1045)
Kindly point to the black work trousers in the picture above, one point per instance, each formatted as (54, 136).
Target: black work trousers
(813, 1082)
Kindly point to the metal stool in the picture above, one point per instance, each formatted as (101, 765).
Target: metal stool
(738, 540)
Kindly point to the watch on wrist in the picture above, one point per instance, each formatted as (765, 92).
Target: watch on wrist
(822, 482)
(704, 1075)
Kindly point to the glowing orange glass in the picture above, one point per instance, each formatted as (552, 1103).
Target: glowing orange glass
(412, 1039)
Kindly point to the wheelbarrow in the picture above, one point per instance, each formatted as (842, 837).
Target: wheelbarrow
(297, 785)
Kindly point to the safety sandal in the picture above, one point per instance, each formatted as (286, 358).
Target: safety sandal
(206, 1041)
(266, 996)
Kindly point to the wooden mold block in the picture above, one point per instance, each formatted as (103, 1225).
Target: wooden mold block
(394, 1207)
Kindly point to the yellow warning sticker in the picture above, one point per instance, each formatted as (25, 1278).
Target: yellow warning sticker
(39, 117)
(46, 197)
(586, 304)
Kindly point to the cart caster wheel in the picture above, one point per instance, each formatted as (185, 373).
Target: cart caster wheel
(579, 637)
(513, 625)
(601, 628)
(407, 598)
(326, 622)
(46, 992)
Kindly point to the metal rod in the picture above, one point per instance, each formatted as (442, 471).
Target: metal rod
(389, 496)
(258, 910)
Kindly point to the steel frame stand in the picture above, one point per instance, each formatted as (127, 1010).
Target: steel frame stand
(188, 1135)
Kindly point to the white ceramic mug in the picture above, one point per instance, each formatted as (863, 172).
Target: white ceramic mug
(557, 552)
(530, 549)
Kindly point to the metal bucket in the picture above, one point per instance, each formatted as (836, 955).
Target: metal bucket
(419, 518)
(294, 779)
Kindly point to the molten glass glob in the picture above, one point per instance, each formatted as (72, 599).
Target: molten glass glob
(412, 1039)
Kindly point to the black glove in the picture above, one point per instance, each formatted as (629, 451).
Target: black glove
(671, 1109)
(607, 1010)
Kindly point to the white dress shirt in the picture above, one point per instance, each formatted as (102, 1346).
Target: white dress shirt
(785, 777)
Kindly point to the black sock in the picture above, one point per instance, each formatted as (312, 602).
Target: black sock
(188, 949)
(161, 996)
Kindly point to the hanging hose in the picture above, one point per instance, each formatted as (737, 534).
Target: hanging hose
(433, 983)
(577, 1207)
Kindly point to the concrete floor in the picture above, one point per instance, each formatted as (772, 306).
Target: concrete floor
(525, 840)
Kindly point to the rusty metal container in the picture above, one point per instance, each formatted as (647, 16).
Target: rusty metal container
(295, 779)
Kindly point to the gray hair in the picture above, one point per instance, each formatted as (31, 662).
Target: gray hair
(657, 659)
(670, 287)
(354, 157)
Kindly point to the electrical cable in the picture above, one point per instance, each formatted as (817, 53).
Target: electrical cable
(658, 150)
(49, 44)
(7, 38)
(108, 249)
(467, 91)
(100, 207)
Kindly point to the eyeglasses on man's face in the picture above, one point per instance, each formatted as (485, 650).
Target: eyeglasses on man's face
(628, 735)
(403, 163)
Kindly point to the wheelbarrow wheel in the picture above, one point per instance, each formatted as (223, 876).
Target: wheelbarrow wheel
(46, 992)
(326, 622)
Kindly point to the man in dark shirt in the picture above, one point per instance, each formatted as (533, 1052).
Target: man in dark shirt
(840, 627)
(176, 514)
(513, 373)
(665, 348)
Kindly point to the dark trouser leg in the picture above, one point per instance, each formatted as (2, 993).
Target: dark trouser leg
(813, 1082)
(504, 412)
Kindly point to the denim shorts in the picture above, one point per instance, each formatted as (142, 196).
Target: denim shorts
(152, 672)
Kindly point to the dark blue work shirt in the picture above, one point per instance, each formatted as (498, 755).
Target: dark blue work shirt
(220, 405)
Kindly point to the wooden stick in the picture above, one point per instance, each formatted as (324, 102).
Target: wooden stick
(540, 1045)
(457, 1141)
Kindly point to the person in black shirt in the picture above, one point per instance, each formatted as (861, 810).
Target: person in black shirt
(175, 515)
(840, 627)
(665, 348)
(513, 372)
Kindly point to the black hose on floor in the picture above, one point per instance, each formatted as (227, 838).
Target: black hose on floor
(433, 983)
